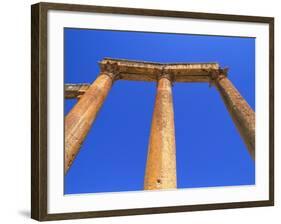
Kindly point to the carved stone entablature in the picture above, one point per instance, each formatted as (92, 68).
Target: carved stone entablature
(72, 91)
(132, 70)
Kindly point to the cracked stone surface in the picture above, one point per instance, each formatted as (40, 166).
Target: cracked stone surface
(242, 114)
(79, 120)
(161, 159)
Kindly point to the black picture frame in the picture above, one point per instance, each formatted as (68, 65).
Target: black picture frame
(39, 147)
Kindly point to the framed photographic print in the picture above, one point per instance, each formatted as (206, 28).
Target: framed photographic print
(140, 111)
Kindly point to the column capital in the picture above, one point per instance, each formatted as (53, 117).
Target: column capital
(165, 74)
(217, 74)
(110, 69)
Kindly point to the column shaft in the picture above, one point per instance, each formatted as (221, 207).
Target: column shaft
(161, 160)
(79, 120)
(240, 111)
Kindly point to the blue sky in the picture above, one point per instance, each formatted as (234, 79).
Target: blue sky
(209, 149)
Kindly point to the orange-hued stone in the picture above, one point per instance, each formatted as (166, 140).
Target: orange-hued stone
(240, 111)
(79, 120)
(161, 160)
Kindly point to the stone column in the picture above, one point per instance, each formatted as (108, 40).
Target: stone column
(79, 120)
(161, 160)
(240, 111)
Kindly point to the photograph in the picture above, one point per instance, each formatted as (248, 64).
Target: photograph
(157, 111)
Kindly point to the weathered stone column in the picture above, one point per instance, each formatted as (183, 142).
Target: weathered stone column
(79, 120)
(240, 111)
(161, 160)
